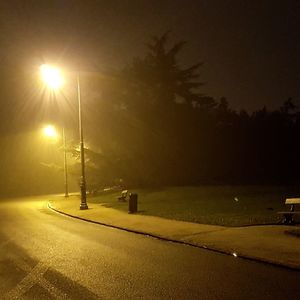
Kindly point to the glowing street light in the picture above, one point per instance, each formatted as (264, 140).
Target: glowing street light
(53, 78)
(50, 132)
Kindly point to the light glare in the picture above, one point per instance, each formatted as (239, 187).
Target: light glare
(51, 76)
(50, 131)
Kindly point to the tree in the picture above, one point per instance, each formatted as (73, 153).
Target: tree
(160, 80)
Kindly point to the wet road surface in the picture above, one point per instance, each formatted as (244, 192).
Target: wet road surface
(44, 255)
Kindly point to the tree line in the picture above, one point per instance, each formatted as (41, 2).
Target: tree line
(154, 126)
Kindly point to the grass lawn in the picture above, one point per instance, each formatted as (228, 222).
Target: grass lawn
(219, 205)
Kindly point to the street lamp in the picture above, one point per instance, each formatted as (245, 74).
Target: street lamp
(50, 132)
(83, 204)
(65, 164)
(53, 78)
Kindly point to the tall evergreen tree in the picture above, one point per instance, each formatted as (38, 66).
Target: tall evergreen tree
(162, 81)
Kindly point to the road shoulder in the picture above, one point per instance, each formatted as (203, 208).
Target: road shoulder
(269, 244)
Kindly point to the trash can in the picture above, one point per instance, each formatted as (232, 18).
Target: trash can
(132, 203)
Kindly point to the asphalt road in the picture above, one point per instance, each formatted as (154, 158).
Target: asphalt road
(44, 255)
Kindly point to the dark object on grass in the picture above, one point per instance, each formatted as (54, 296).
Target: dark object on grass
(132, 204)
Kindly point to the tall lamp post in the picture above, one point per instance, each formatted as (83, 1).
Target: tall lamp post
(83, 204)
(53, 78)
(50, 132)
(65, 163)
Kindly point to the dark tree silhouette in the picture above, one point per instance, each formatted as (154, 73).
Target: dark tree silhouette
(157, 128)
(162, 81)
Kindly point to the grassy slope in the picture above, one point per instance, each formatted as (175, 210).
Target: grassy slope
(221, 205)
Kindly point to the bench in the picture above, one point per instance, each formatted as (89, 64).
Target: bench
(123, 196)
(288, 215)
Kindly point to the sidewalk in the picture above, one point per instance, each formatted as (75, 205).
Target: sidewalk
(264, 243)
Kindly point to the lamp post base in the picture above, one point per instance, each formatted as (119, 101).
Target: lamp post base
(83, 206)
(83, 202)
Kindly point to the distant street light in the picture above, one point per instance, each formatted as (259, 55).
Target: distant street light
(50, 132)
(53, 78)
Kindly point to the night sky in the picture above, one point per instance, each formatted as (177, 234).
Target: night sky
(250, 49)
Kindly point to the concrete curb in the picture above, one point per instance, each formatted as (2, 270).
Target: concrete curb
(217, 250)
